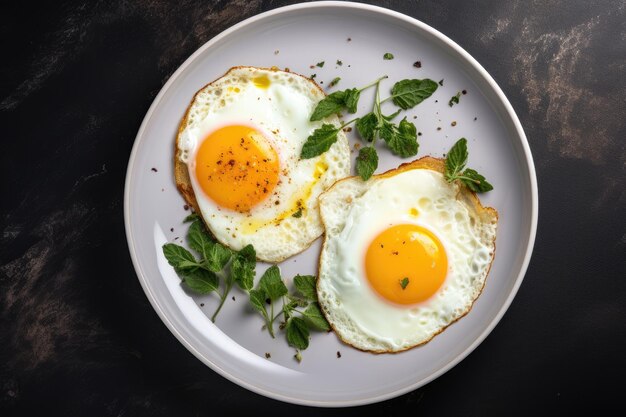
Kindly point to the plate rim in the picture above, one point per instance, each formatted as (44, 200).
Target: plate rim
(507, 107)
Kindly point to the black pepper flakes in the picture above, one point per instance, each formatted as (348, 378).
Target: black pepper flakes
(153, 169)
(417, 64)
(338, 354)
(186, 206)
(267, 355)
(453, 124)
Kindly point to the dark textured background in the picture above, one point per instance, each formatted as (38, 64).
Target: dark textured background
(78, 335)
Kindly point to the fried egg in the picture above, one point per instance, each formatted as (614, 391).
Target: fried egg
(405, 254)
(241, 141)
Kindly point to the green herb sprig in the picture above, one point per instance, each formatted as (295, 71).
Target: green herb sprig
(401, 138)
(216, 268)
(456, 159)
(300, 310)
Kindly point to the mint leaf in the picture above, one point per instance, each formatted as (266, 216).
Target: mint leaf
(475, 182)
(297, 333)
(248, 254)
(313, 315)
(289, 307)
(407, 94)
(191, 217)
(179, 257)
(366, 162)
(367, 126)
(272, 284)
(351, 99)
(331, 104)
(200, 280)
(402, 139)
(305, 285)
(243, 267)
(320, 141)
(257, 300)
(217, 256)
(388, 56)
(335, 103)
(456, 159)
(198, 238)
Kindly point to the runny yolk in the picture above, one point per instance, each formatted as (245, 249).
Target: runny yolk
(237, 167)
(406, 264)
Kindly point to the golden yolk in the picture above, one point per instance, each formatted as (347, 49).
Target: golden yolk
(236, 167)
(406, 264)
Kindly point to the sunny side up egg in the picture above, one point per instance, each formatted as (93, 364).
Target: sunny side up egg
(405, 254)
(240, 142)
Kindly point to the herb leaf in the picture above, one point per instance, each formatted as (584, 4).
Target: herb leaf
(297, 214)
(404, 282)
(455, 99)
(305, 284)
(297, 333)
(257, 299)
(475, 182)
(407, 94)
(243, 267)
(191, 217)
(313, 315)
(367, 126)
(334, 82)
(272, 284)
(366, 162)
(351, 99)
(388, 56)
(320, 141)
(456, 159)
(200, 280)
(217, 256)
(331, 104)
(179, 257)
(335, 102)
(198, 238)
(402, 139)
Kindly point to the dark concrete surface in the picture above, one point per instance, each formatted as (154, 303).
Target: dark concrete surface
(78, 335)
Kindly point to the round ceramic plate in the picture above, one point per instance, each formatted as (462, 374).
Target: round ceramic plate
(350, 39)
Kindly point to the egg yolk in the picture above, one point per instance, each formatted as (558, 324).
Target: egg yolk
(237, 167)
(406, 264)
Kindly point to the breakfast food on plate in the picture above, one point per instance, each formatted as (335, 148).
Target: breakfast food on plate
(237, 160)
(405, 254)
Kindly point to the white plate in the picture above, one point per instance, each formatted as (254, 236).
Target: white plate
(297, 37)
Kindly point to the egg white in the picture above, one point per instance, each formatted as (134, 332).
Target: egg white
(354, 213)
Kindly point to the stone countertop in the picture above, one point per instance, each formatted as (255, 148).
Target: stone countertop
(78, 335)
